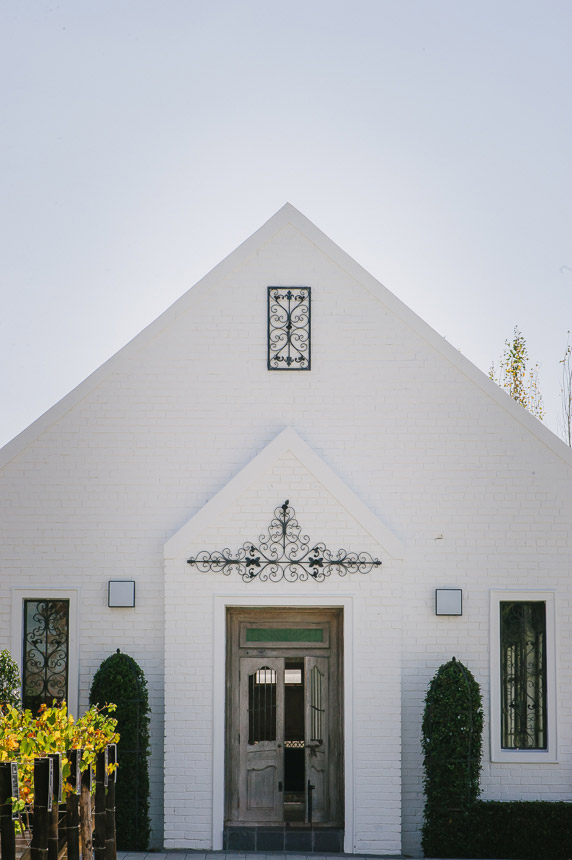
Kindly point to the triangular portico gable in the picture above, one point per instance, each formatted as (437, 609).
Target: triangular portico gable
(287, 442)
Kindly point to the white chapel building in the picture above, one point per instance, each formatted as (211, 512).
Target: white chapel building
(290, 501)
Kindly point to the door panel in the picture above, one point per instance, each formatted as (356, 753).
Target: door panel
(261, 738)
(317, 737)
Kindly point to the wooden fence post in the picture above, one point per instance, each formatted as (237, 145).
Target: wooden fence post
(53, 817)
(85, 815)
(99, 815)
(110, 837)
(72, 809)
(43, 788)
(7, 834)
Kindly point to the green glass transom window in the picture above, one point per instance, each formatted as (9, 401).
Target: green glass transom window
(284, 634)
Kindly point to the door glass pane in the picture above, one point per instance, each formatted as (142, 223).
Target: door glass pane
(316, 706)
(45, 675)
(262, 705)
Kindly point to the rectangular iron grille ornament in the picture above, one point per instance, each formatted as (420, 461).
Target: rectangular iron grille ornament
(288, 328)
(284, 553)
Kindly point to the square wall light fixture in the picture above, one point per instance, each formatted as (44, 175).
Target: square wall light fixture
(121, 592)
(448, 601)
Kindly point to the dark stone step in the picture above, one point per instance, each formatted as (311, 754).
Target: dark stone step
(301, 838)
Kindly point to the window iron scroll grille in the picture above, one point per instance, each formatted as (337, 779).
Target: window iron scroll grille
(46, 652)
(523, 675)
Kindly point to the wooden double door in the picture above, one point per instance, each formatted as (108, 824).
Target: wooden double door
(284, 755)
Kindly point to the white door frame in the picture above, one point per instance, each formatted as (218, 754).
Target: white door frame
(295, 600)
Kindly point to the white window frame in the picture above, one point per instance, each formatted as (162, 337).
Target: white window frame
(71, 594)
(498, 753)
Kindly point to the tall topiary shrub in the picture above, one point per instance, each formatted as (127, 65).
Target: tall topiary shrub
(452, 747)
(10, 683)
(120, 680)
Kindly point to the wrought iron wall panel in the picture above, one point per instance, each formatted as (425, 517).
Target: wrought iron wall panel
(289, 328)
(284, 553)
(523, 675)
(46, 648)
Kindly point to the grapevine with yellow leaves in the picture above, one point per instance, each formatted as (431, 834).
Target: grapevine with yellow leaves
(25, 736)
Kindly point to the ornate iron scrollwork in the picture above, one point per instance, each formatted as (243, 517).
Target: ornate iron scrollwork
(45, 675)
(284, 554)
(288, 328)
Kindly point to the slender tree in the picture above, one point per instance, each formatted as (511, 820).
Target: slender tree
(10, 683)
(566, 393)
(516, 377)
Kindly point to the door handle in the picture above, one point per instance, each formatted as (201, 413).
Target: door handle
(310, 804)
(280, 785)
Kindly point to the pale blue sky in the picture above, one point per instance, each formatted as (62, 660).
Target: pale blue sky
(141, 142)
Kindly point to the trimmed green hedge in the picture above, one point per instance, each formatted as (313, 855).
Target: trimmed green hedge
(452, 739)
(511, 830)
(120, 680)
(457, 824)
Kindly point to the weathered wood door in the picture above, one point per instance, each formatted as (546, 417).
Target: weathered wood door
(284, 705)
(262, 738)
(316, 730)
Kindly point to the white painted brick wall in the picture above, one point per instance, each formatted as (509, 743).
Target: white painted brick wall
(479, 502)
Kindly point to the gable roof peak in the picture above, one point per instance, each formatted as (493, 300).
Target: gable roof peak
(288, 214)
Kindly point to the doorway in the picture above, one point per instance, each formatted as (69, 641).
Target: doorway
(284, 718)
